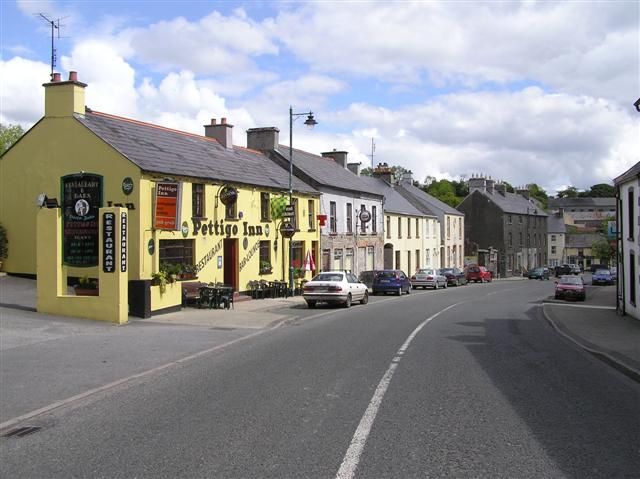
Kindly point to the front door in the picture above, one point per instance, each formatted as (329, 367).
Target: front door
(231, 263)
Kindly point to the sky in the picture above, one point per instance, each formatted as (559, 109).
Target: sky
(524, 92)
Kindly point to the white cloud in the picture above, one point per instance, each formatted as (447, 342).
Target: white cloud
(21, 92)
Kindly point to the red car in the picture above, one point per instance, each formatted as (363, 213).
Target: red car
(478, 274)
(570, 287)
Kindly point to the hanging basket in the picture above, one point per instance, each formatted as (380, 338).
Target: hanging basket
(322, 219)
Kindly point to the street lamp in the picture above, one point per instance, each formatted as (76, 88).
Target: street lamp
(310, 122)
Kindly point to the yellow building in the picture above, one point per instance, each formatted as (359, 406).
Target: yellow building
(195, 203)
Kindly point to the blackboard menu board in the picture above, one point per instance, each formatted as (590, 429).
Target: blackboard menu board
(81, 200)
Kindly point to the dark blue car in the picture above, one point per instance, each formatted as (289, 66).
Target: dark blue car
(391, 281)
(602, 276)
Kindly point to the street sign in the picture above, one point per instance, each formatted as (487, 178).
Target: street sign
(287, 230)
(289, 209)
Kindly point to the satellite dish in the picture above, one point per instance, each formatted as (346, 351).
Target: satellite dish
(40, 201)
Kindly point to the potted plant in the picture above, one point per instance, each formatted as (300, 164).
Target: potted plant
(4, 250)
(86, 287)
(161, 278)
(187, 271)
(298, 273)
(265, 267)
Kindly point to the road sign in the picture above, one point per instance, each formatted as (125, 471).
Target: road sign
(289, 209)
(287, 230)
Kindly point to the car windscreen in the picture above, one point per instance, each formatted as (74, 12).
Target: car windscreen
(603, 271)
(570, 280)
(386, 274)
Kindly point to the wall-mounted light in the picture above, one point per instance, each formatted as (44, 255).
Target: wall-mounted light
(44, 201)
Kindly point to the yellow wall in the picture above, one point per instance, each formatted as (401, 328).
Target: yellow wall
(405, 243)
(112, 303)
(53, 148)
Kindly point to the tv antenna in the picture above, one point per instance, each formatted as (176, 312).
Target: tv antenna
(373, 150)
(55, 25)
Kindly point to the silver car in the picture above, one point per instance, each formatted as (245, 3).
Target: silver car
(428, 278)
(335, 287)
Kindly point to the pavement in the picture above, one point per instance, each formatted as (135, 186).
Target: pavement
(89, 357)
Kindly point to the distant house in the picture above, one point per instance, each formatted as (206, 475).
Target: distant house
(556, 232)
(578, 249)
(451, 254)
(351, 230)
(411, 238)
(584, 212)
(511, 223)
(627, 188)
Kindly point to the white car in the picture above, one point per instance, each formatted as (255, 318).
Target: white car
(428, 277)
(335, 287)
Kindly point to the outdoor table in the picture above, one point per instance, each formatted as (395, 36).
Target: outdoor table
(214, 295)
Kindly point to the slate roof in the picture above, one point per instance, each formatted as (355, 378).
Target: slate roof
(555, 224)
(581, 202)
(581, 240)
(425, 202)
(325, 171)
(514, 203)
(627, 175)
(394, 202)
(155, 149)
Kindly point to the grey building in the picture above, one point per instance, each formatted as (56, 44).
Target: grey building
(510, 223)
(588, 212)
(556, 237)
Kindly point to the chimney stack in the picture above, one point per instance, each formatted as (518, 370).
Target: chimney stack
(64, 98)
(500, 188)
(407, 178)
(489, 184)
(477, 183)
(263, 138)
(523, 191)
(339, 157)
(383, 172)
(223, 132)
(354, 168)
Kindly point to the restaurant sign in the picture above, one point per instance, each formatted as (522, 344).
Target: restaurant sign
(167, 206)
(228, 195)
(81, 200)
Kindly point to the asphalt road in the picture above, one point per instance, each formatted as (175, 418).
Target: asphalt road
(401, 387)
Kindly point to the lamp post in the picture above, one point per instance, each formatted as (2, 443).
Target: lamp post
(310, 122)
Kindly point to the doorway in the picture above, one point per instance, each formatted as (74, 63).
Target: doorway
(231, 263)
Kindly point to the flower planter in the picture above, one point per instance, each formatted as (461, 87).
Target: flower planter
(87, 292)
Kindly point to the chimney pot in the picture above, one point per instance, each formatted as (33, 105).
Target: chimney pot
(73, 76)
(223, 121)
(213, 121)
(56, 77)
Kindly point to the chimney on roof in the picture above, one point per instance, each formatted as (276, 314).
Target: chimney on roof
(383, 172)
(354, 168)
(407, 178)
(223, 132)
(263, 138)
(339, 157)
(64, 98)
(500, 188)
(489, 184)
(524, 192)
(477, 183)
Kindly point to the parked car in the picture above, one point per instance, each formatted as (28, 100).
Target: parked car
(455, 277)
(575, 269)
(335, 287)
(614, 272)
(391, 281)
(477, 274)
(570, 286)
(602, 276)
(595, 267)
(562, 270)
(428, 278)
(366, 277)
(539, 273)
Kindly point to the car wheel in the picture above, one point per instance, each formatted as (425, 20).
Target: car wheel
(413, 287)
(445, 285)
(399, 292)
(365, 298)
(311, 304)
(482, 280)
(408, 290)
(435, 285)
(457, 282)
(347, 303)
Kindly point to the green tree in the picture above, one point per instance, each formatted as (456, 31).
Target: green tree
(9, 135)
(539, 194)
(602, 249)
(366, 172)
(601, 190)
(444, 190)
(571, 192)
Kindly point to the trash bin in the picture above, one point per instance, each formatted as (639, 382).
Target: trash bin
(140, 298)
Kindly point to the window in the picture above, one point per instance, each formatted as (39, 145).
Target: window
(399, 228)
(459, 228)
(520, 235)
(509, 219)
(265, 207)
(296, 254)
(349, 218)
(632, 277)
(418, 228)
(176, 251)
(265, 253)
(520, 219)
(427, 257)
(553, 238)
(417, 258)
(397, 259)
(230, 211)
(374, 219)
(311, 214)
(408, 261)
(333, 220)
(448, 227)
(388, 226)
(408, 227)
(348, 259)
(197, 200)
(553, 250)
(510, 239)
(294, 220)
(630, 215)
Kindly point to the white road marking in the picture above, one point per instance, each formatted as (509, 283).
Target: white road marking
(352, 456)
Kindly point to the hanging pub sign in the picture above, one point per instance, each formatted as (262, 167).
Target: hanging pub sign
(228, 195)
(287, 230)
(81, 200)
(167, 206)
(108, 242)
(364, 216)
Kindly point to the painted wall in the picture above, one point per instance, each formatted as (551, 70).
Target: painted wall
(629, 246)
